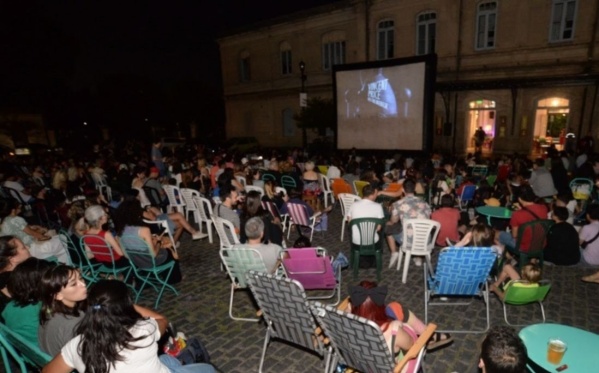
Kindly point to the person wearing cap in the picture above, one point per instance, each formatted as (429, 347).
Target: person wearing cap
(528, 211)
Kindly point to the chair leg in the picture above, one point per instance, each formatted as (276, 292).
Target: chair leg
(231, 308)
(264, 347)
(356, 263)
(209, 229)
(379, 265)
(342, 229)
(406, 264)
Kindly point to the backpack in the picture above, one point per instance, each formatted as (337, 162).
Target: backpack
(194, 352)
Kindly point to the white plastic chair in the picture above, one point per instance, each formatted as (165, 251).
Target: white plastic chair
(421, 242)
(346, 200)
(241, 180)
(187, 194)
(226, 232)
(249, 188)
(163, 224)
(325, 187)
(204, 209)
(175, 200)
(281, 190)
(102, 186)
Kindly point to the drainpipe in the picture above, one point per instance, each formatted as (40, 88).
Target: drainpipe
(458, 59)
(367, 29)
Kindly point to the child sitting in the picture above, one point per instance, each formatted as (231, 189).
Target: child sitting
(531, 275)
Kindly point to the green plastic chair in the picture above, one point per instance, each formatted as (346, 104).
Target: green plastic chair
(367, 228)
(491, 179)
(539, 229)
(288, 182)
(152, 274)
(75, 259)
(23, 352)
(520, 296)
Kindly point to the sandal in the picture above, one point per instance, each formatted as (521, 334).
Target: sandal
(437, 341)
(592, 279)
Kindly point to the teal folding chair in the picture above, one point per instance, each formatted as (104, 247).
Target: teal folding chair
(145, 268)
(22, 352)
(76, 258)
(100, 248)
(288, 182)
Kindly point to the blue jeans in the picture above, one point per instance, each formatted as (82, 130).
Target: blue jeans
(507, 240)
(175, 366)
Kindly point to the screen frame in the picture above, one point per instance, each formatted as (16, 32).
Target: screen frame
(428, 106)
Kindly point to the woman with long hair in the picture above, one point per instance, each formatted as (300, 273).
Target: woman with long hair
(35, 237)
(117, 336)
(129, 221)
(253, 207)
(21, 314)
(62, 291)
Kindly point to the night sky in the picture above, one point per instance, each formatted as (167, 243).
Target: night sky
(75, 59)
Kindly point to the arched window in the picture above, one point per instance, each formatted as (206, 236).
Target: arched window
(486, 21)
(385, 40)
(551, 117)
(333, 49)
(426, 33)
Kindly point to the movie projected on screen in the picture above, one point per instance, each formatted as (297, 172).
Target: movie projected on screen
(385, 104)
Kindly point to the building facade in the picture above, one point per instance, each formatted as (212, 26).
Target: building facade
(527, 72)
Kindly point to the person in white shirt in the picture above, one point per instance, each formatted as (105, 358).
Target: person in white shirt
(366, 208)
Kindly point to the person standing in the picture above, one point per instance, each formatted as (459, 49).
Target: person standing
(479, 139)
(157, 159)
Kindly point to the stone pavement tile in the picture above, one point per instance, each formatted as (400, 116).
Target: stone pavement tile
(202, 309)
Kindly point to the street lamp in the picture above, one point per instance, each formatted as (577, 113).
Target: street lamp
(303, 99)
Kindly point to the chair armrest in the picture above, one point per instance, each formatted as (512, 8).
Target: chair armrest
(416, 347)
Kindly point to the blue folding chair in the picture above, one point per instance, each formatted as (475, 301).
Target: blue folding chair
(467, 196)
(145, 268)
(461, 272)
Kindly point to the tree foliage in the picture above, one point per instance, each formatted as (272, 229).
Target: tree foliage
(318, 115)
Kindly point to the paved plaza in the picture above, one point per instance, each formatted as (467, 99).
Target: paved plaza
(201, 310)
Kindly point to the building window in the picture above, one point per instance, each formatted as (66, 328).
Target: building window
(486, 20)
(426, 33)
(333, 54)
(562, 20)
(286, 61)
(244, 67)
(385, 40)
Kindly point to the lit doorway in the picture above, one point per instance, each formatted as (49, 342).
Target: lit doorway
(481, 114)
(551, 123)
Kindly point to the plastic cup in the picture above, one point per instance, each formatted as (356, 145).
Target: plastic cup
(556, 348)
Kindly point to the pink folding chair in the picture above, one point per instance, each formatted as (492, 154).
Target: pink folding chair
(312, 268)
(298, 215)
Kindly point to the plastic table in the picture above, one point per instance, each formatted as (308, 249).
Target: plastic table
(494, 212)
(581, 355)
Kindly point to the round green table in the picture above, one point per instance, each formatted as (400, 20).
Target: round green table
(581, 355)
(494, 212)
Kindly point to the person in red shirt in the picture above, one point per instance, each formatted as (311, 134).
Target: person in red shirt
(448, 216)
(528, 211)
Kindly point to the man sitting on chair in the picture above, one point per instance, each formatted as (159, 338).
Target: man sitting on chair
(254, 230)
(366, 208)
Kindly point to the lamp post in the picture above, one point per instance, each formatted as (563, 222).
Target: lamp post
(303, 99)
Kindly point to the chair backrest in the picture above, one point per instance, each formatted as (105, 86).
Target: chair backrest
(174, 195)
(359, 185)
(226, 232)
(241, 180)
(359, 342)
(268, 176)
(137, 251)
(29, 352)
(239, 260)
(249, 188)
(323, 169)
(526, 294)
(298, 214)
(468, 193)
(153, 196)
(285, 308)
(98, 246)
(581, 188)
(288, 182)
(324, 182)
(204, 208)
(73, 253)
(280, 190)
(537, 231)
(479, 170)
(309, 267)
(367, 230)
(339, 185)
(187, 195)
(420, 235)
(347, 200)
(462, 270)
(15, 194)
(272, 208)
